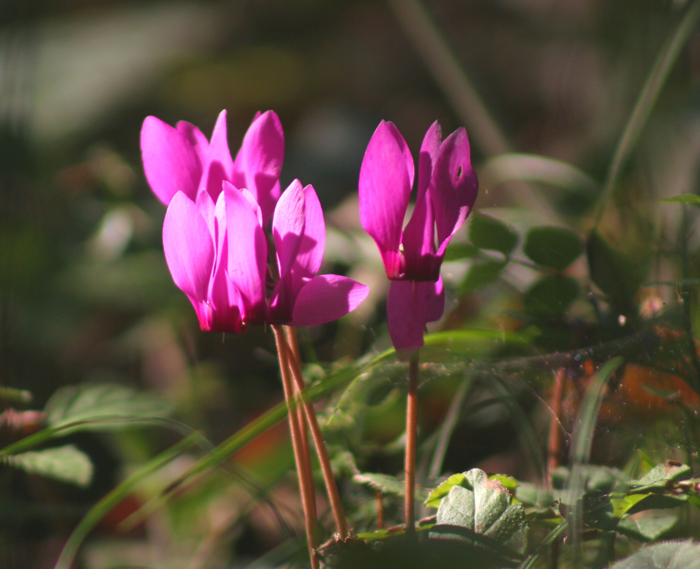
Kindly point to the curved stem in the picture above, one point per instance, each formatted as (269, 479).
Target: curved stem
(305, 482)
(317, 435)
(411, 435)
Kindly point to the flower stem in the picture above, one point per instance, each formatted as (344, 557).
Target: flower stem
(317, 435)
(411, 435)
(554, 446)
(306, 488)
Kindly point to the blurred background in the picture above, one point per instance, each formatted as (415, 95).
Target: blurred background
(85, 295)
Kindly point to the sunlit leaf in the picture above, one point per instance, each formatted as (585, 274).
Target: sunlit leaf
(436, 495)
(665, 555)
(553, 247)
(486, 507)
(489, 233)
(102, 406)
(66, 464)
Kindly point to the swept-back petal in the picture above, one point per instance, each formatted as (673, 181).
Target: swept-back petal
(313, 243)
(454, 186)
(247, 251)
(288, 226)
(326, 298)
(386, 178)
(419, 243)
(170, 161)
(218, 165)
(428, 154)
(259, 161)
(196, 138)
(189, 248)
(410, 305)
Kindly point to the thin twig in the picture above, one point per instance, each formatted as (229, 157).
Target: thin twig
(317, 435)
(305, 481)
(411, 436)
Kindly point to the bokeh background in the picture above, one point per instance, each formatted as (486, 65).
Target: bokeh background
(85, 295)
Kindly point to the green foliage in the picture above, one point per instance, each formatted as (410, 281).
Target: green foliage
(687, 199)
(102, 406)
(553, 247)
(65, 464)
(488, 233)
(667, 555)
(551, 295)
(486, 507)
(480, 274)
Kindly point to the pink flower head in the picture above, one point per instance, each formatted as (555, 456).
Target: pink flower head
(182, 159)
(217, 255)
(446, 192)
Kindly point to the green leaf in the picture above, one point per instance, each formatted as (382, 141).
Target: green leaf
(670, 470)
(530, 494)
(648, 528)
(509, 483)
(481, 274)
(690, 199)
(553, 247)
(457, 251)
(385, 484)
(551, 295)
(476, 342)
(615, 273)
(665, 555)
(66, 464)
(436, 496)
(15, 395)
(488, 233)
(102, 406)
(487, 508)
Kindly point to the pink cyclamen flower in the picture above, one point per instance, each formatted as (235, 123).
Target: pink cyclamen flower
(224, 271)
(181, 158)
(412, 256)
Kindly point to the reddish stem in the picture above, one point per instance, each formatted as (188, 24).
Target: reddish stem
(317, 435)
(305, 482)
(554, 447)
(411, 435)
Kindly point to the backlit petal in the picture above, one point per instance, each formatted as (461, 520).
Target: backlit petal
(428, 154)
(170, 161)
(219, 164)
(196, 138)
(326, 298)
(386, 178)
(310, 254)
(259, 161)
(247, 250)
(454, 186)
(288, 225)
(410, 306)
(188, 247)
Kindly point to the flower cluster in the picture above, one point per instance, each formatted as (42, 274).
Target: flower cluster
(446, 192)
(214, 233)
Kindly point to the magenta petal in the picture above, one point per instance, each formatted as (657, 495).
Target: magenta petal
(386, 178)
(170, 161)
(247, 251)
(288, 226)
(410, 306)
(313, 243)
(259, 161)
(196, 138)
(219, 164)
(428, 154)
(189, 248)
(225, 304)
(326, 298)
(454, 186)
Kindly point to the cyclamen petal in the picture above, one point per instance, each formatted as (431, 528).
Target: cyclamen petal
(288, 226)
(410, 306)
(325, 298)
(247, 251)
(454, 186)
(171, 161)
(218, 164)
(386, 178)
(259, 161)
(189, 249)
